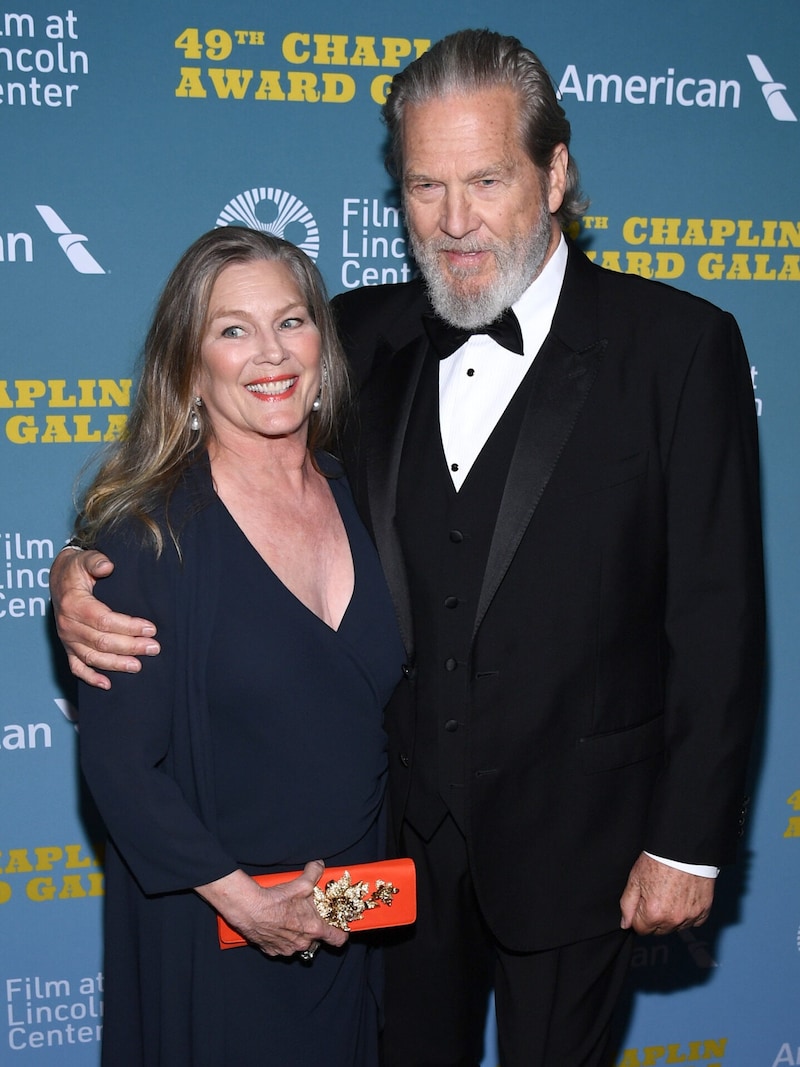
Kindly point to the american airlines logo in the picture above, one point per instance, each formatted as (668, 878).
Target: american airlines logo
(72, 244)
(68, 710)
(773, 91)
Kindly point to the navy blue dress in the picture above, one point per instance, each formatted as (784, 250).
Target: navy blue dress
(254, 740)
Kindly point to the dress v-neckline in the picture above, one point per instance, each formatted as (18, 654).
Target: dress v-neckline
(282, 584)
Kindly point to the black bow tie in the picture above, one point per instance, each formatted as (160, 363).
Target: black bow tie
(446, 339)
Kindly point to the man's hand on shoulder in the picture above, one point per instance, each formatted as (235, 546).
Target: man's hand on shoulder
(95, 637)
(659, 899)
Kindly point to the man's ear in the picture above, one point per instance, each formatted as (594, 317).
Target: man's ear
(557, 176)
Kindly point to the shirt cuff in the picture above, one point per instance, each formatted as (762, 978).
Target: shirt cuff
(689, 868)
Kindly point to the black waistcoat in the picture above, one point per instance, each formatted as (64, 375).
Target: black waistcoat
(446, 536)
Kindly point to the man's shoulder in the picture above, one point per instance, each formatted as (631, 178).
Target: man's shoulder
(646, 296)
(377, 319)
(410, 297)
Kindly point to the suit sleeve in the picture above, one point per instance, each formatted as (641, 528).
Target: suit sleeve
(714, 607)
(127, 738)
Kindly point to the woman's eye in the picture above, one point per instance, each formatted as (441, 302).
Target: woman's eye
(291, 323)
(233, 331)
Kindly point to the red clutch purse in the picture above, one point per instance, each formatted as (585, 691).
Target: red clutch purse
(367, 895)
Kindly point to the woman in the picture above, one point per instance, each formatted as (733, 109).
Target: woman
(254, 742)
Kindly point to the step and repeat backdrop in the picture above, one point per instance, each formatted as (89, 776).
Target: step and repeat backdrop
(128, 129)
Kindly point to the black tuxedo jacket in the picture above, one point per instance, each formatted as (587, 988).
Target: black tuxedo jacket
(616, 660)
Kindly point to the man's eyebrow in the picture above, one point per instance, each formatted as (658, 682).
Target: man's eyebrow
(488, 170)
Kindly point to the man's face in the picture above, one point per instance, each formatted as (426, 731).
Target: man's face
(479, 212)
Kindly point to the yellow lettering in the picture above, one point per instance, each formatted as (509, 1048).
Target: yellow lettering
(73, 852)
(714, 1048)
(761, 273)
(611, 261)
(303, 86)
(82, 433)
(739, 268)
(338, 88)
(379, 88)
(711, 266)
(270, 86)
(19, 862)
(46, 857)
(114, 393)
(22, 430)
(744, 239)
(694, 233)
(640, 263)
(634, 231)
(39, 889)
(669, 265)
(230, 82)
(790, 271)
(291, 43)
(395, 49)
(55, 430)
(365, 54)
(57, 398)
(630, 1058)
(664, 231)
(790, 234)
(190, 84)
(28, 392)
(721, 229)
(330, 49)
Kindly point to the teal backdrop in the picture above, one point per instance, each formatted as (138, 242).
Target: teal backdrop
(128, 129)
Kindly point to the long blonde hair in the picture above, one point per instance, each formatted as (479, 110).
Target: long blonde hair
(143, 468)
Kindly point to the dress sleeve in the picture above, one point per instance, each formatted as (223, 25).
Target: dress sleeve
(129, 736)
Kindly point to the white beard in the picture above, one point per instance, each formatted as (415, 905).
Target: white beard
(519, 260)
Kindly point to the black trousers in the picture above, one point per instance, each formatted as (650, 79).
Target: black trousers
(553, 1008)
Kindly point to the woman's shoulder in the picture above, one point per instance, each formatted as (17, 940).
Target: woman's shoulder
(172, 513)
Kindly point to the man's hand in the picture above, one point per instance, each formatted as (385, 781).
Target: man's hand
(659, 899)
(95, 637)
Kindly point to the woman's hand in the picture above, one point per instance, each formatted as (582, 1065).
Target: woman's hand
(281, 920)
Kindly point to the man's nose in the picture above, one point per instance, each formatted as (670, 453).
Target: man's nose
(458, 216)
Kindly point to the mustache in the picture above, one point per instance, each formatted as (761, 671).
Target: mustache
(448, 244)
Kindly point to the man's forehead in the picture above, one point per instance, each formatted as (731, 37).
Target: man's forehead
(479, 131)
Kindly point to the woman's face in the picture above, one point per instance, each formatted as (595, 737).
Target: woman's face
(259, 356)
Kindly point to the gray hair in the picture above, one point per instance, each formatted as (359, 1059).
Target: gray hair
(471, 60)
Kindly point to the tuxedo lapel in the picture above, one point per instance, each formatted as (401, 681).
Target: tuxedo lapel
(387, 402)
(563, 372)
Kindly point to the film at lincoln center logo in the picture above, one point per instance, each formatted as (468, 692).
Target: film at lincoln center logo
(289, 213)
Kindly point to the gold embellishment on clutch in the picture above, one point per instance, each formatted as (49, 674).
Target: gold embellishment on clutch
(343, 901)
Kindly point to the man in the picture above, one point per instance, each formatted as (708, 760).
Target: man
(572, 540)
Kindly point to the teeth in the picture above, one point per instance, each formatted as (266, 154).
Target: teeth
(271, 388)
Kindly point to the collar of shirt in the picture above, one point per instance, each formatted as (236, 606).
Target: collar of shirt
(478, 381)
